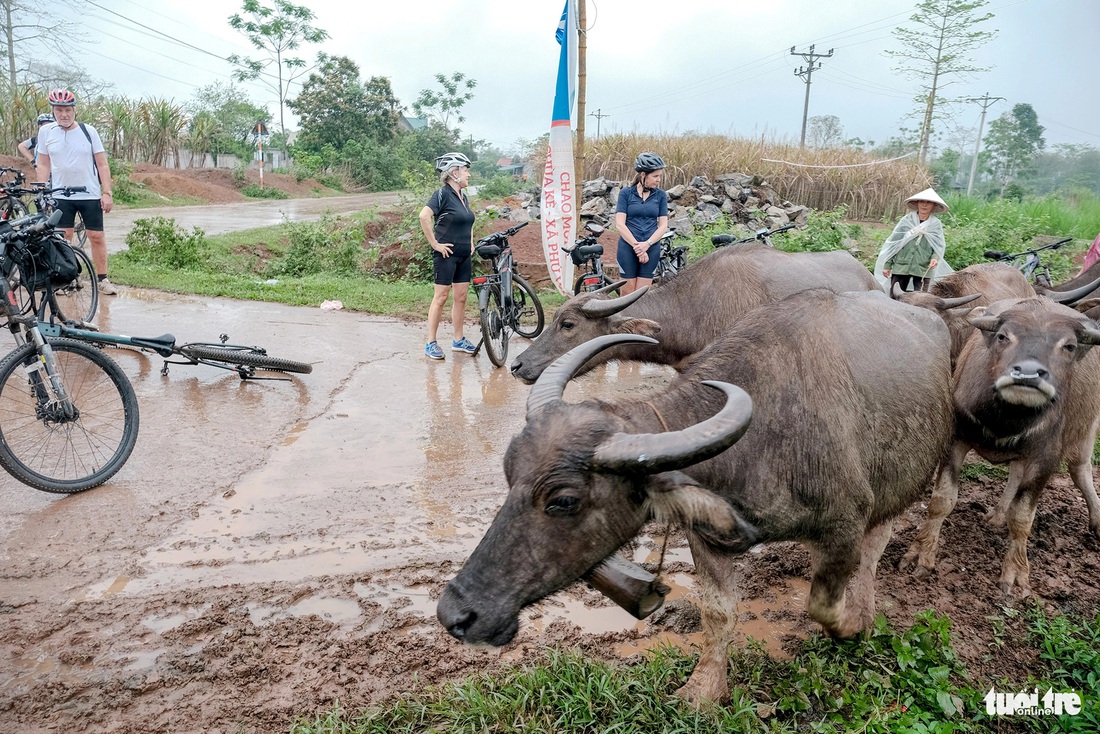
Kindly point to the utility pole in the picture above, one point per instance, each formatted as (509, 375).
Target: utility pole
(598, 117)
(582, 84)
(805, 74)
(986, 102)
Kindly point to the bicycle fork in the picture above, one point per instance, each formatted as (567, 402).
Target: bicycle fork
(60, 409)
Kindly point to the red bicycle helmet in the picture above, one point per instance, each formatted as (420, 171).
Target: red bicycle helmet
(62, 98)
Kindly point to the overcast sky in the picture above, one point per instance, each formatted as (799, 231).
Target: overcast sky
(668, 67)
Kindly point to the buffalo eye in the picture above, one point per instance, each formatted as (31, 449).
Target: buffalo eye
(567, 325)
(1070, 347)
(1002, 337)
(563, 505)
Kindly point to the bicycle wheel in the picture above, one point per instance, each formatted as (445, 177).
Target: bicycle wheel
(494, 332)
(530, 319)
(580, 287)
(41, 447)
(78, 300)
(235, 357)
(80, 233)
(12, 208)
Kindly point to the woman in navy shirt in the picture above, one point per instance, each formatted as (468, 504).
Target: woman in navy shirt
(641, 217)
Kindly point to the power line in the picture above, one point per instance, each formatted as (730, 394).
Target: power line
(806, 74)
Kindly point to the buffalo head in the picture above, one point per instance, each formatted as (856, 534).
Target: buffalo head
(580, 486)
(1029, 347)
(582, 318)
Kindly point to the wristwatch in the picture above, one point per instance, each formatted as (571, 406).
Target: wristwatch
(108, 193)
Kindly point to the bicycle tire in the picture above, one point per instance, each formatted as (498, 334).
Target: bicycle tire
(529, 316)
(80, 232)
(65, 457)
(12, 208)
(243, 357)
(79, 300)
(580, 288)
(494, 331)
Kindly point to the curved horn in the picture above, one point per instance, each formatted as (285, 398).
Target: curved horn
(1068, 297)
(986, 323)
(600, 307)
(613, 287)
(896, 292)
(551, 383)
(960, 301)
(1089, 336)
(651, 453)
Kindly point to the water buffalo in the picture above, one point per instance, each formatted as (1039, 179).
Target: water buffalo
(851, 414)
(1027, 392)
(692, 309)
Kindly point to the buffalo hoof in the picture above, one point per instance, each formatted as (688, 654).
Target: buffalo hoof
(708, 683)
(698, 697)
(995, 518)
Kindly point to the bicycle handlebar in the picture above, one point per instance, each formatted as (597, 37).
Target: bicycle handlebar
(1001, 255)
(719, 240)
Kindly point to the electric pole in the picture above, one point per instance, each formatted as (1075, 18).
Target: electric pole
(598, 117)
(805, 74)
(582, 84)
(986, 102)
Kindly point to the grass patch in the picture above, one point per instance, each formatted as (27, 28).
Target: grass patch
(981, 469)
(255, 191)
(886, 681)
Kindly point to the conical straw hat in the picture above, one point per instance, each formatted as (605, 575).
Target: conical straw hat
(927, 195)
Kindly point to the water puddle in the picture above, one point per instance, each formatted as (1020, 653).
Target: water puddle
(342, 612)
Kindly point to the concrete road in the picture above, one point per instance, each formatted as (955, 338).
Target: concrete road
(222, 218)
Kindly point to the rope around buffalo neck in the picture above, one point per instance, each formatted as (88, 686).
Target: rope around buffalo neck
(668, 526)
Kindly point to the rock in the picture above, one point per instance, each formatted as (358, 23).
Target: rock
(706, 214)
(594, 207)
(676, 192)
(680, 220)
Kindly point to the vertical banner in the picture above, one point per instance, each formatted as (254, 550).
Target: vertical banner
(559, 193)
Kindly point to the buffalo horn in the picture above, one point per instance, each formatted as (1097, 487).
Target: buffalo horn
(1068, 297)
(602, 307)
(652, 453)
(960, 301)
(897, 292)
(551, 383)
(613, 287)
(986, 323)
(1089, 336)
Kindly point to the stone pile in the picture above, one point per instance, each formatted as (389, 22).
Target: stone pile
(741, 198)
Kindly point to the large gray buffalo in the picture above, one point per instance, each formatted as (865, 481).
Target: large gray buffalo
(850, 415)
(1027, 392)
(693, 308)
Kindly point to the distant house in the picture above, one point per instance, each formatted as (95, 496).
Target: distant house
(510, 166)
(412, 124)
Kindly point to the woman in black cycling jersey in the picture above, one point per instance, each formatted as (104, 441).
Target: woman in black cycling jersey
(448, 223)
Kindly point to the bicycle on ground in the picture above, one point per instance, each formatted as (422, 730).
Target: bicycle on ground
(68, 413)
(761, 235)
(506, 302)
(1030, 264)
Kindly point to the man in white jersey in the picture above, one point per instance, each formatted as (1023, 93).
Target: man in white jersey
(73, 154)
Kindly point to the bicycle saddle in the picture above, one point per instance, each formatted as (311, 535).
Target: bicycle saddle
(488, 250)
(586, 252)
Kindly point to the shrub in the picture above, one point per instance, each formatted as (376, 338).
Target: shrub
(498, 187)
(125, 191)
(325, 246)
(263, 192)
(160, 241)
(824, 232)
(238, 174)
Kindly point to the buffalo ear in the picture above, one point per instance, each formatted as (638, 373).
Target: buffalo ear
(628, 325)
(678, 499)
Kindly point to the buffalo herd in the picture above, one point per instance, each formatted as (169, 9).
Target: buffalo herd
(809, 406)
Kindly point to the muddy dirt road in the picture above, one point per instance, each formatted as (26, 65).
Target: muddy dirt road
(272, 547)
(222, 218)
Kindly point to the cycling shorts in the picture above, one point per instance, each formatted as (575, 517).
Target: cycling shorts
(630, 268)
(453, 269)
(90, 211)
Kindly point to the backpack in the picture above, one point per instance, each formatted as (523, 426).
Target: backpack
(52, 261)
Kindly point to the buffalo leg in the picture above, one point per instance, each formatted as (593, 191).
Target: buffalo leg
(1016, 571)
(996, 516)
(1079, 462)
(716, 576)
(859, 607)
(921, 555)
(833, 564)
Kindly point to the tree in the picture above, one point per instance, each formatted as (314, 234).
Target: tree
(277, 31)
(1013, 140)
(28, 27)
(441, 105)
(936, 46)
(233, 116)
(825, 131)
(335, 107)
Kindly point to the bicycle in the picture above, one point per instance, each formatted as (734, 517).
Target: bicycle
(68, 413)
(1031, 262)
(70, 408)
(586, 253)
(79, 299)
(12, 205)
(761, 235)
(672, 259)
(505, 300)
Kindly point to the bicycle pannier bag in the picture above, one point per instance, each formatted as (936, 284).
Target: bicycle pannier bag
(54, 261)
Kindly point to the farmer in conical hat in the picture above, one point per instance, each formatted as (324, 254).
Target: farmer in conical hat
(913, 254)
